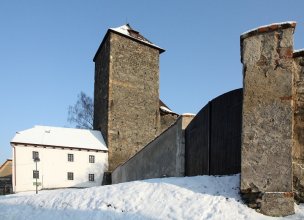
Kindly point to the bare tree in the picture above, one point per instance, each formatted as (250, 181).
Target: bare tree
(81, 113)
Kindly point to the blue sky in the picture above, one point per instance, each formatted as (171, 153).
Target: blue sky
(47, 47)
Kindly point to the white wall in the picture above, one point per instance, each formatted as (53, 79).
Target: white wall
(54, 166)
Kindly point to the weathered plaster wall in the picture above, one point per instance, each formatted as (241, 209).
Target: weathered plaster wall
(298, 152)
(164, 156)
(267, 124)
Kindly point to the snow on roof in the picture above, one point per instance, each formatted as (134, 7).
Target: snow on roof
(270, 27)
(298, 53)
(61, 137)
(165, 109)
(128, 31)
(299, 50)
(189, 114)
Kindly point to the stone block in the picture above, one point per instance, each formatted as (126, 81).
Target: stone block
(277, 204)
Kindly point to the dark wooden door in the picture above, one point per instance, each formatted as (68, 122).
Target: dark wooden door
(213, 137)
(197, 144)
(226, 124)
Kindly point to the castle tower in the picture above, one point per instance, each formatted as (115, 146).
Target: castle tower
(126, 92)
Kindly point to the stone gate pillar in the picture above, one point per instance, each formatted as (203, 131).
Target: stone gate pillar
(298, 151)
(267, 123)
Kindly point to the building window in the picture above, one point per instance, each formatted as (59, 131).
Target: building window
(70, 176)
(71, 157)
(91, 177)
(91, 159)
(35, 174)
(35, 154)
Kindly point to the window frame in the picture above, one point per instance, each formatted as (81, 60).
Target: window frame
(70, 157)
(91, 177)
(70, 176)
(91, 158)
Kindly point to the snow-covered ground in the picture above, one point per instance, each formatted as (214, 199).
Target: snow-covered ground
(201, 197)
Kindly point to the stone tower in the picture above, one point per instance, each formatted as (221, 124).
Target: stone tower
(126, 92)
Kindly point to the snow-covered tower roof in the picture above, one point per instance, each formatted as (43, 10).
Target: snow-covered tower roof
(127, 31)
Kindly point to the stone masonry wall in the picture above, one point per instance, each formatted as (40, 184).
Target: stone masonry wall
(298, 152)
(267, 123)
(133, 114)
(101, 87)
(166, 120)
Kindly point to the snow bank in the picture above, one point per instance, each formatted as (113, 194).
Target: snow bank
(201, 197)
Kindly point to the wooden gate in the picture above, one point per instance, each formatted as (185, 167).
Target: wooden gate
(213, 138)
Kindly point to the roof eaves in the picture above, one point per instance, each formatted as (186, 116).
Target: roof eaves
(57, 146)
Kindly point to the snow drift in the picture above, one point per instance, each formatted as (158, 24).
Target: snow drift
(200, 197)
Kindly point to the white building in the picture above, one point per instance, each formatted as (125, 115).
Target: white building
(68, 158)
